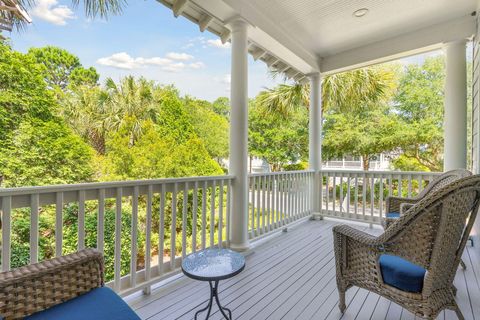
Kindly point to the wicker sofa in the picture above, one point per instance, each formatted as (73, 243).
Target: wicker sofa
(68, 287)
(413, 263)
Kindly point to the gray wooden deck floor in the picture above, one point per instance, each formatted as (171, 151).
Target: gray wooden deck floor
(292, 276)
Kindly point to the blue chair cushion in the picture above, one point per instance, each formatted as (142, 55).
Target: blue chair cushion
(98, 304)
(401, 274)
(393, 215)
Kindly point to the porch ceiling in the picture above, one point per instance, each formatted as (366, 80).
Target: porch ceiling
(304, 36)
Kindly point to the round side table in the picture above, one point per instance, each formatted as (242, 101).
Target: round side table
(213, 265)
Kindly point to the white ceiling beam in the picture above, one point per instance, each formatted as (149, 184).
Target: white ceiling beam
(418, 41)
(284, 69)
(261, 22)
(225, 36)
(258, 54)
(178, 7)
(271, 61)
(204, 22)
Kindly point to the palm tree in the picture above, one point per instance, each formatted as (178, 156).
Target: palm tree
(131, 102)
(87, 113)
(343, 91)
(93, 8)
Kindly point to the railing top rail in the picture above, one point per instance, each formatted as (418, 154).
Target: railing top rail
(105, 185)
(279, 173)
(389, 172)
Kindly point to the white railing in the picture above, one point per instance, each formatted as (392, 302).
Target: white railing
(277, 199)
(181, 215)
(145, 228)
(361, 195)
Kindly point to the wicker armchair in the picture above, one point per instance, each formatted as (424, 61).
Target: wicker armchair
(27, 290)
(431, 236)
(397, 206)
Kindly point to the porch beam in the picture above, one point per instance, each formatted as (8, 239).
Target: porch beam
(315, 139)
(239, 135)
(407, 44)
(455, 117)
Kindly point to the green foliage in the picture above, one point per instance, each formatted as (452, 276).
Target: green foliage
(58, 64)
(278, 140)
(210, 126)
(84, 77)
(419, 102)
(365, 133)
(23, 93)
(346, 91)
(221, 106)
(35, 146)
(46, 153)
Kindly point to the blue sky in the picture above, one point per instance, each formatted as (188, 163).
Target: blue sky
(146, 40)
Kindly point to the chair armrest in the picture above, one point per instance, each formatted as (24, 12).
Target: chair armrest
(393, 203)
(404, 207)
(355, 235)
(39, 286)
(356, 254)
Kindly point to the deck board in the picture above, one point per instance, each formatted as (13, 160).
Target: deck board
(292, 276)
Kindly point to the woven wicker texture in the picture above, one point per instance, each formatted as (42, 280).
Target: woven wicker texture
(433, 233)
(39, 286)
(401, 205)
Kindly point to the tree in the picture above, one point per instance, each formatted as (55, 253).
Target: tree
(86, 112)
(46, 152)
(366, 132)
(59, 64)
(343, 91)
(419, 102)
(278, 140)
(84, 77)
(211, 127)
(131, 99)
(35, 146)
(221, 106)
(168, 148)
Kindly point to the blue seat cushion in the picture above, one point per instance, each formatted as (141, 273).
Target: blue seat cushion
(98, 304)
(393, 215)
(401, 274)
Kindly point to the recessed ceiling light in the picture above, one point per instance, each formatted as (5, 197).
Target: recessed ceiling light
(360, 12)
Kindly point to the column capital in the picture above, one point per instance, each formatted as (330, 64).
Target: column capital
(313, 75)
(237, 22)
(455, 42)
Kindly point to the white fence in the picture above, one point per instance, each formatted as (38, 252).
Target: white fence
(361, 195)
(167, 219)
(192, 213)
(277, 199)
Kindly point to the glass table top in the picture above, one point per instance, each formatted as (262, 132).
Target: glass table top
(213, 264)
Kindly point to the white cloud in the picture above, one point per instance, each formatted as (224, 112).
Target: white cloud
(218, 43)
(179, 56)
(197, 65)
(51, 11)
(123, 60)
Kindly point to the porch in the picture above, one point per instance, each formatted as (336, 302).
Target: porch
(292, 276)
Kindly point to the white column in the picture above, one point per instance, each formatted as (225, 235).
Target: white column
(239, 136)
(455, 118)
(315, 139)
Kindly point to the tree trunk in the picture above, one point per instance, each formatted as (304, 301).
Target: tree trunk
(366, 162)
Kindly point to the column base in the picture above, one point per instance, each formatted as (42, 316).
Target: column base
(316, 216)
(240, 247)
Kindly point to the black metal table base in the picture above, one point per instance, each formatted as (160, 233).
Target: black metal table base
(214, 294)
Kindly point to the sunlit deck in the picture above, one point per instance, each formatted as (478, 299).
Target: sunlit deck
(292, 276)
